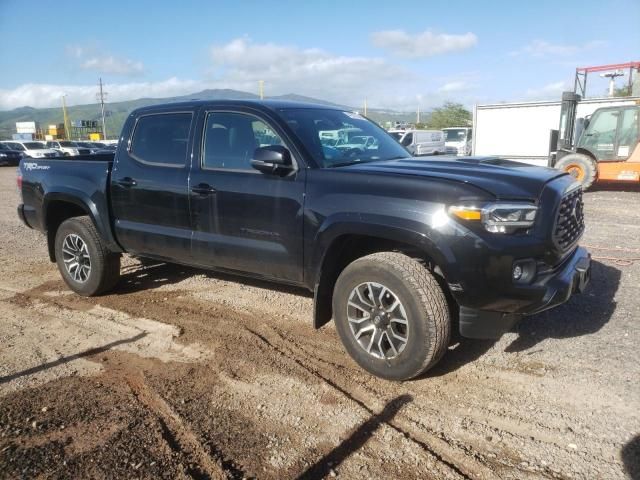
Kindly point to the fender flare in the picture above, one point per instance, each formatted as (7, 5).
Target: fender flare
(383, 227)
(82, 200)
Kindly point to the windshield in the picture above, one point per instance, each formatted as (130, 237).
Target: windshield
(34, 145)
(357, 140)
(68, 144)
(85, 145)
(4, 147)
(455, 135)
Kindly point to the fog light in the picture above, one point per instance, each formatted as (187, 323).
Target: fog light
(517, 272)
(523, 271)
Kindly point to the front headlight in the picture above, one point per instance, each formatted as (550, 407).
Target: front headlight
(499, 217)
(2, 155)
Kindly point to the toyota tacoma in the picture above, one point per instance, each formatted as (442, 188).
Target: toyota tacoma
(398, 251)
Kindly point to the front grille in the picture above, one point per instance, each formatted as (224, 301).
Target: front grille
(450, 150)
(570, 221)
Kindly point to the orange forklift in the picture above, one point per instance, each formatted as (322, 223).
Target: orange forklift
(607, 150)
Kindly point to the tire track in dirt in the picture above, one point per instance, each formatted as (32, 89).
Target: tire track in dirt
(179, 436)
(196, 319)
(195, 312)
(460, 458)
(459, 467)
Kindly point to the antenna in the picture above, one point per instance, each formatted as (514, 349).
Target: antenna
(101, 96)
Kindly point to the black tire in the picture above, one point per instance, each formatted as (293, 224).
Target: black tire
(581, 167)
(428, 318)
(104, 266)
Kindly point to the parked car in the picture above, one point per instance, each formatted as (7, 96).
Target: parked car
(33, 149)
(67, 147)
(458, 140)
(90, 146)
(423, 142)
(9, 156)
(395, 249)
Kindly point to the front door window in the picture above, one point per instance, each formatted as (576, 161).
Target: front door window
(600, 135)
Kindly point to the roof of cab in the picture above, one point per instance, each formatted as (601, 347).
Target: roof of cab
(257, 104)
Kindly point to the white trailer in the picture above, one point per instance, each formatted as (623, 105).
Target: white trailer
(521, 131)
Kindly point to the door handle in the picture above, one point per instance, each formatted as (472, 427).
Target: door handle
(203, 189)
(127, 182)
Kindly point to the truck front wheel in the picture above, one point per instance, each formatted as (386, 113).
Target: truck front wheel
(392, 315)
(86, 265)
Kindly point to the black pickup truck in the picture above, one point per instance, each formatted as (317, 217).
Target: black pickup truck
(399, 251)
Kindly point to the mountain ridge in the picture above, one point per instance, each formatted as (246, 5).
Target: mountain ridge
(117, 112)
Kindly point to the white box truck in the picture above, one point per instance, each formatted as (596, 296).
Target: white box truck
(521, 131)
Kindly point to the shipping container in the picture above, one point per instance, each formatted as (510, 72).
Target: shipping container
(521, 131)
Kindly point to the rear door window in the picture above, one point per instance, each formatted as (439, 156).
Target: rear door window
(162, 139)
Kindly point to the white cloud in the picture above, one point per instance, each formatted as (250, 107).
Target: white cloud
(49, 95)
(241, 63)
(113, 65)
(550, 91)
(542, 48)
(456, 86)
(106, 63)
(424, 44)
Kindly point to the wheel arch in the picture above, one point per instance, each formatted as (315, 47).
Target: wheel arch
(60, 206)
(345, 243)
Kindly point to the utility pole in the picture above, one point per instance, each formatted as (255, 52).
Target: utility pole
(365, 107)
(101, 95)
(612, 79)
(261, 89)
(65, 119)
(418, 116)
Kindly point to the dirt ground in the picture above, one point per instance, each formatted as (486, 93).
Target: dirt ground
(182, 373)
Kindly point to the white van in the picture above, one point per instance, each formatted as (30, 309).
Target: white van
(458, 140)
(423, 142)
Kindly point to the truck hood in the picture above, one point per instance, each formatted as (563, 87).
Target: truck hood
(505, 179)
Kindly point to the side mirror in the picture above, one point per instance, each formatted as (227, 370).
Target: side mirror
(272, 159)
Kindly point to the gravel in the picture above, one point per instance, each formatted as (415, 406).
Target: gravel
(182, 373)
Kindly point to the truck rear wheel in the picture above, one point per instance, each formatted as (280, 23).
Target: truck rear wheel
(392, 315)
(581, 167)
(85, 264)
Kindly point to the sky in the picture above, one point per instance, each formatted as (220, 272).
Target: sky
(396, 55)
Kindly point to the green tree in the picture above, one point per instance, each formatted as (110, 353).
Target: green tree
(622, 91)
(449, 115)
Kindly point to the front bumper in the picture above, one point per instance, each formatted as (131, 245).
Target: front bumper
(551, 290)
